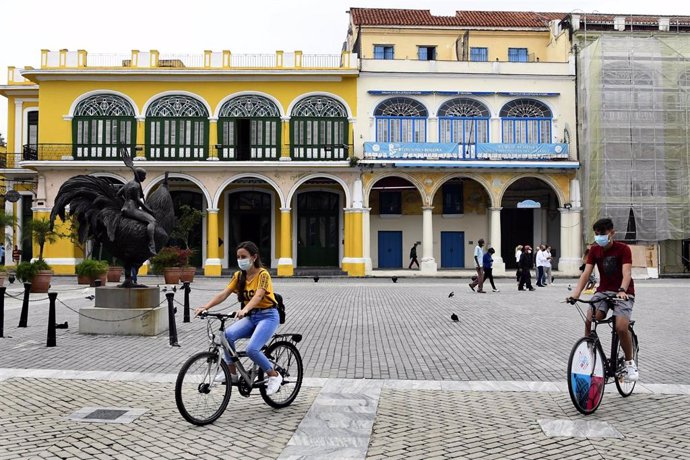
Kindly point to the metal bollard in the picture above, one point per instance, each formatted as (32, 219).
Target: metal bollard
(24, 315)
(51, 342)
(172, 328)
(2, 310)
(186, 301)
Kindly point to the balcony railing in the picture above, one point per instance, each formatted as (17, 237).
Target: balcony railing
(58, 152)
(453, 151)
(207, 60)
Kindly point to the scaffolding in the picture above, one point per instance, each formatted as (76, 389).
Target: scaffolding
(634, 102)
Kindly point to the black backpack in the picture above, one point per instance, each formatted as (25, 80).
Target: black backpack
(281, 307)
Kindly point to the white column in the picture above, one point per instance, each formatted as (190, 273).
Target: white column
(495, 240)
(9, 232)
(366, 240)
(570, 252)
(18, 125)
(428, 261)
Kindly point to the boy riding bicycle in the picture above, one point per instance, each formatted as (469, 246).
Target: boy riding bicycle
(614, 262)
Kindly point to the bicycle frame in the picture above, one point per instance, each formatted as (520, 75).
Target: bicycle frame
(610, 364)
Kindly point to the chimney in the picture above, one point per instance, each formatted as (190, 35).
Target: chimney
(619, 23)
(664, 24)
(575, 21)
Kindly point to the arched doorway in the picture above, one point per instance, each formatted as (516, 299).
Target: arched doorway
(318, 228)
(395, 221)
(183, 202)
(529, 216)
(249, 219)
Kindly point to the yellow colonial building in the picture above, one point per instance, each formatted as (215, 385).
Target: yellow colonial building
(438, 129)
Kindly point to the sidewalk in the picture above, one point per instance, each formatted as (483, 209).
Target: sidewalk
(388, 375)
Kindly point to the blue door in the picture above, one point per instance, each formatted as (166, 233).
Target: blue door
(452, 249)
(390, 249)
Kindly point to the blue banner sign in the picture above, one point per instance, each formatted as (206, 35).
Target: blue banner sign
(411, 150)
(522, 151)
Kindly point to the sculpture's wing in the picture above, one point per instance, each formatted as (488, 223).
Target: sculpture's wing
(93, 201)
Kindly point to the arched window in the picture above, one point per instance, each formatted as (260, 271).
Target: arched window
(463, 121)
(526, 121)
(176, 129)
(401, 119)
(249, 129)
(319, 129)
(102, 123)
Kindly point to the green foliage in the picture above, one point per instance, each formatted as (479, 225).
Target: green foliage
(170, 256)
(41, 231)
(91, 268)
(188, 218)
(27, 270)
(3, 269)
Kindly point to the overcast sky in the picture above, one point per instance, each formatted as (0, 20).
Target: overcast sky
(242, 26)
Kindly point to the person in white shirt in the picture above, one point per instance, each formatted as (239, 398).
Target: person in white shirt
(548, 278)
(541, 260)
(518, 253)
(478, 263)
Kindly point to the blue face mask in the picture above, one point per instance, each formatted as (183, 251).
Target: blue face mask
(244, 264)
(601, 240)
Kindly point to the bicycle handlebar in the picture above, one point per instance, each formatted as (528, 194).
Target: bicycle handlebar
(573, 301)
(206, 314)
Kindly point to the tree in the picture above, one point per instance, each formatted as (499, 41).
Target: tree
(42, 231)
(188, 218)
(2, 141)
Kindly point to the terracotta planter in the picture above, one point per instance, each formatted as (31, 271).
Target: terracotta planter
(3, 276)
(102, 277)
(41, 282)
(172, 275)
(114, 274)
(83, 279)
(188, 274)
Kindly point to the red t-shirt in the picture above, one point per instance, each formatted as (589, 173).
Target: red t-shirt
(610, 264)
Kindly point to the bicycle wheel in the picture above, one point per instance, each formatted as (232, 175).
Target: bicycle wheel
(625, 388)
(287, 361)
(586, 377)
(199, 398)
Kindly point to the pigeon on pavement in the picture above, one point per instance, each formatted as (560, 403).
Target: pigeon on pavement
(454, 317)
(451, 294)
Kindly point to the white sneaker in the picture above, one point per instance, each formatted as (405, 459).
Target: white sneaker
(220, 378)
(273, 384)
(496, 290)
(631, 371)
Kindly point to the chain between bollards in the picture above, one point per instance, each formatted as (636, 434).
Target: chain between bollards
(172, 328)
(186, 301)
(24, 316)
(51, 342)
(2, 311)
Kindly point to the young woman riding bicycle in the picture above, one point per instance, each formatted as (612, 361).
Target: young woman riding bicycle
(258, 318)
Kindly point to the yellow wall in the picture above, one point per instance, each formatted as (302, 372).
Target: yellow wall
(406, 42)
(56, 97)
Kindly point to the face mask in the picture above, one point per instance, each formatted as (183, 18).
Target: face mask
(601, 240)
(244, 264)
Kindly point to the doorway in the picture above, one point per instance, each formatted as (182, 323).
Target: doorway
(244, 136)
(517, 227)
(390, 249)
(452, 249)
(249, 219)
(318, 229)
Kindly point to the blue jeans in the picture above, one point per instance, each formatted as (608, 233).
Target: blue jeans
(260, 326)
(540, 276)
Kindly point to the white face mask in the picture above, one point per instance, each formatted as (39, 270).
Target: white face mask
(244, 264)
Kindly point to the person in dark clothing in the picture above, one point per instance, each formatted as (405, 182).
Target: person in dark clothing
(525, 265)
(413, 256)
(488, 262)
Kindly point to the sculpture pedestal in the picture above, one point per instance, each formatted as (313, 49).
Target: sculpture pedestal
(122, 311)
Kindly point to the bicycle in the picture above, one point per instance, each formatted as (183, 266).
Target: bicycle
(201, 399)
(589, 369)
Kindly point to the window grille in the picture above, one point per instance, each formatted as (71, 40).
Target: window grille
(177, 129)
(101, 125)
(526, 121)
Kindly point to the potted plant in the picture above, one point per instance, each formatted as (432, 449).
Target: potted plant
(41, 231)
(114, 272)
(35, 273)
(89, 270)
(187, 219)
(167, 263)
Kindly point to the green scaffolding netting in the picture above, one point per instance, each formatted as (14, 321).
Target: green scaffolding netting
(634, 103)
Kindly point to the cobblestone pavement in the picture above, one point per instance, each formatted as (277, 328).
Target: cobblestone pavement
(354, 329)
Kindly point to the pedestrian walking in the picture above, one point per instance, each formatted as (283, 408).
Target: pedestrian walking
(413, 256)
(518, 253)
(547, 266)
(478, 261)
(525, 265)
(2, 254)
(488, 263)
(540, 261)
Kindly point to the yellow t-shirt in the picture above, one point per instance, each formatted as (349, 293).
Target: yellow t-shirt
(260, 280)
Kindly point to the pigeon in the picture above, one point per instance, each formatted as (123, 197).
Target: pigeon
(90, 297)
(61, 325)
(454, 317)
(316, 279)
(451, 294)
(11, 278)
(570, 288)
(395, 279)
